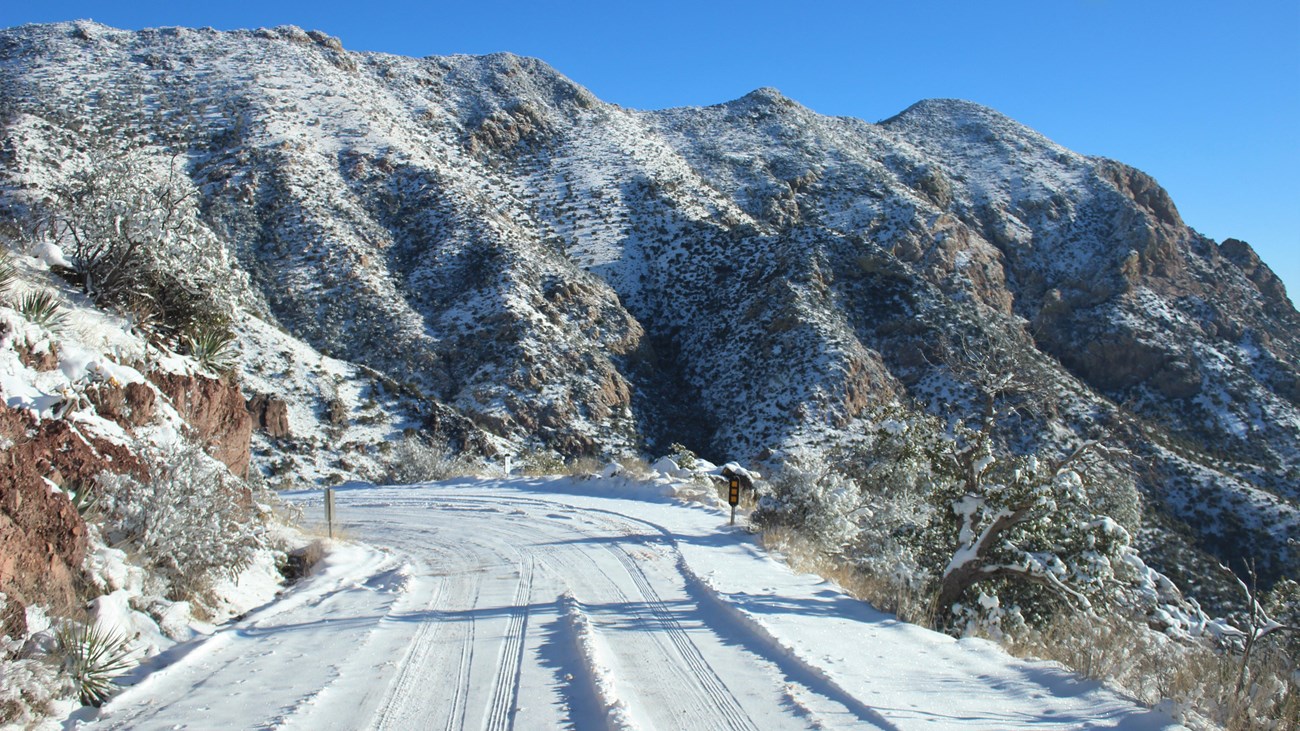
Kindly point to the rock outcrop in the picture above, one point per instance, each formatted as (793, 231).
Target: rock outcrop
(42, 536)
(270, 414)
(217, 412)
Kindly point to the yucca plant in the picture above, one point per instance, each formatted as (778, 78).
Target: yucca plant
(92, 657)
(213, 349)
(8, 275)
(83, 499)
(41, 308)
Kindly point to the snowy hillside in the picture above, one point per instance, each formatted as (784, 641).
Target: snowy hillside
(479, 249)
(587, 603)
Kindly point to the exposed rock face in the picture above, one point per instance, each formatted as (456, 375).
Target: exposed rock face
(459, 432)
(130, 406)
(42, 537)
(217, 412)
(270, 414)
(1245, 258)
(542, 268)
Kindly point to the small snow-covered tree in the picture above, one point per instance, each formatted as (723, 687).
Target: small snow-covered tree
(989, 528)
(1015, 526)
(1025, 520)
(30, 684)
(1276, 613)
(415, 459)
(892, 467)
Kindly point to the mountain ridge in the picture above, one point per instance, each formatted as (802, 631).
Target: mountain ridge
(569, 275)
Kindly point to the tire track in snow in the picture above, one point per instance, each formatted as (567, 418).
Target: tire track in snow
(259, 650)
(706, 676)
(440, 654)
(487, 621)
(416, 658)
(648, 608)
(694, 677)
(685, 696)
(760, 641)
(696, 690)
(687, 693)
(505, 695)
(460, 686)
(803, 680)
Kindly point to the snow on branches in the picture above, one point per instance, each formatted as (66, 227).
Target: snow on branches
(1026, 519)
(134, 236)
(981, 530)
(190, 521)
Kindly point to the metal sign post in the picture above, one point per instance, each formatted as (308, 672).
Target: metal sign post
(329, 509)
(733, 496)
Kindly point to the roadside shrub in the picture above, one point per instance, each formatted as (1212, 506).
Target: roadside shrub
(808, 496)
(685, 458)
(537, 462)
(29, 689)
(137, 243)
(636, 466)
(883, 517)
(189, 520)
(28, 685)
(582, 466)
(415, 459)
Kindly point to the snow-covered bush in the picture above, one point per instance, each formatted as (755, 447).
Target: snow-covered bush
(892, 464)
(684, 457)
(30, 686)
(996, 538)
(808, 495)
(1017, 548)
(134, 237)
(416, 459)
(540, 462)
(189, 520)
(986, 617)
(1023, 527)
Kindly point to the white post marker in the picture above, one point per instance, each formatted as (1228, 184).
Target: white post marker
(329, 509)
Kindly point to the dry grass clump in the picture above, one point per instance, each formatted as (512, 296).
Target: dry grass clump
(1155, 668)
(887, 594)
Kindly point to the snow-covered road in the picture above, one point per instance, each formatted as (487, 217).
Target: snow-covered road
(566, 603)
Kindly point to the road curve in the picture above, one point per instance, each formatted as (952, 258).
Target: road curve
(560, 603)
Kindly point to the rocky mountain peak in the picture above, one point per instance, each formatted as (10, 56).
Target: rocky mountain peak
(764, 96)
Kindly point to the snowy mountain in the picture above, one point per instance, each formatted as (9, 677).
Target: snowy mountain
(479, 248)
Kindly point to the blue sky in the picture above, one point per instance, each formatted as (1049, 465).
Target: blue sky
(1204, 96)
